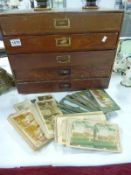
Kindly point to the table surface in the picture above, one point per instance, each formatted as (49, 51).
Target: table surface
(14, 152)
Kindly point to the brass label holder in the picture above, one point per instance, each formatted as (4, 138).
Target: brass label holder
(62, 23)
(64, 59)
(63, 42)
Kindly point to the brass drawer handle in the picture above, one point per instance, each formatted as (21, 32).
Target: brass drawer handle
(62, 23)
(65, 86)
(64, 72)
(63, 42)
(63, 59)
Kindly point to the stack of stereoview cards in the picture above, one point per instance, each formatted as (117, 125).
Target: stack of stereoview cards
(87, 131)
(40, 120)
(35, 119)
(88, 101)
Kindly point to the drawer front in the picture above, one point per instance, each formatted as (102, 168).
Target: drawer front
(64, 73)
(60, 22)
(33, 87)
(29, 62)
(61, 43)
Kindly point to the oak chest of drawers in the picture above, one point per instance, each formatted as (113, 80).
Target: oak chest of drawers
(61, 50)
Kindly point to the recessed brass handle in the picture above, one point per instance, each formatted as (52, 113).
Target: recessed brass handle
(63, 42)
(62, 23)
(64, 59)
(65, 86)
(64, 72)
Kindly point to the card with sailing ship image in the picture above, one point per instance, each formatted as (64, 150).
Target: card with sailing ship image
(94, 136)
(48, 110)
(29, 129)
(105, 102)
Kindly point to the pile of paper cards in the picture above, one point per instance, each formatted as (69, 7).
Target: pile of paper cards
(87, 131)
(88, 101)
(34, 120)
(40, 120)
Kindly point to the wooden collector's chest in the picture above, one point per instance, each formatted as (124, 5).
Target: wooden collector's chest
(61, 50)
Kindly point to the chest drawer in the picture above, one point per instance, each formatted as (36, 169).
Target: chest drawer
(64, 73)
(81, 21)
(68, 85)
(61, 59)
(75, 65)
(61, 43)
